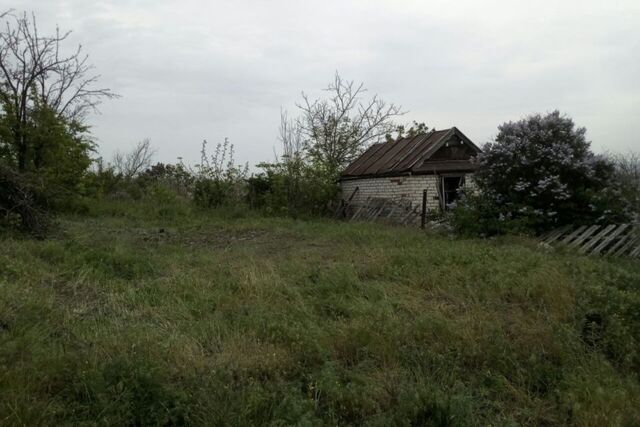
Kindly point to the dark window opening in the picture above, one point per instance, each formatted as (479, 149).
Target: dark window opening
(450, 185)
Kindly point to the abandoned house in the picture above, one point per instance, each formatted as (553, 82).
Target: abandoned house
(438, 161)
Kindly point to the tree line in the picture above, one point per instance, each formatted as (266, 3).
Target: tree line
(538, 173)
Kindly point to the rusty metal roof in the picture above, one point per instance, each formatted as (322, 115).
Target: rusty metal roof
(405, 155)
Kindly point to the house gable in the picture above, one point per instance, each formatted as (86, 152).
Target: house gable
(433, 152)
(453, 150)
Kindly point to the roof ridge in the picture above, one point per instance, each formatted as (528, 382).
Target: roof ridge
(445, 133)
(401, 155)
(425, 135)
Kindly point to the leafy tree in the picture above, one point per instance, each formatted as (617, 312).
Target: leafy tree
(57, 155)
(329, 133)
(59, 152)
(36, 75)
(297, 183)
(402, 131)
(45, 93)
(337, 129)
(541, 172)
(628, 175)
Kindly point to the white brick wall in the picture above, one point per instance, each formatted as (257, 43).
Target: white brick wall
(402, 187)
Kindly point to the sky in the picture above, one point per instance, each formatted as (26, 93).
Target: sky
(191, 70)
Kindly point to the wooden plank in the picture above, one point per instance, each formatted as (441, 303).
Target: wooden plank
(367, 212)
(362, 207)
(609, 240)
(619, 243)
(545, 236)
(375, 208)
(634, 253)
(596, 238)
(344, 205)
(412, 219)
(633, 239)
(573, 235)
(382, 206)
(412, 213)
(394, 206)
(605, 242)
(404, 218)
(423, 216)
(555, 234)
(355, 215)
(582, 237)
(635, 250)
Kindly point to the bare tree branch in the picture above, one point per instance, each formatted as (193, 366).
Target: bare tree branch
(34, 70)
(290, 137)
(338, 128)
(135, 161)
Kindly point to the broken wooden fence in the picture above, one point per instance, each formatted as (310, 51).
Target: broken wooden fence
(398, 210)
(381, 209)
(608, 240)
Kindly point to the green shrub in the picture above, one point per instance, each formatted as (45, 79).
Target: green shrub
(476, 214)
(176, 177)
(541, 172)
(287, 188)
(22, 206)
(103, 181)
(166, 202)
(219, 181)
(212, 193)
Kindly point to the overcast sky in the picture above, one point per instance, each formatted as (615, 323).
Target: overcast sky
(191, 70)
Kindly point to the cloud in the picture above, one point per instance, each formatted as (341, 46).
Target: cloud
(191, 70)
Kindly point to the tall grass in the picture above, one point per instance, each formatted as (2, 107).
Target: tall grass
(133, 316)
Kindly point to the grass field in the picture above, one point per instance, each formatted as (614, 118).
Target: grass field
(133, 315)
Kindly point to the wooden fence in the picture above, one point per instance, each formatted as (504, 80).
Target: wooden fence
(608, 240)
(397, 211)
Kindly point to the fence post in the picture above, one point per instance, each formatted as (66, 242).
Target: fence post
(423, 219)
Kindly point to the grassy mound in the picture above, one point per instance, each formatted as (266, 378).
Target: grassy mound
(211, 319)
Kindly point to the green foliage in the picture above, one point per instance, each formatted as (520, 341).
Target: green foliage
(175, 177)
(58, 153)
(540, 173)
(103, 180)
(627, 174)
(475, 214)
(401, 131)
(328, 134)
(219, 181)
(292, 188)
(22, 206)
(132, 318)
(51, 160)
(335, 129)
(165, 189)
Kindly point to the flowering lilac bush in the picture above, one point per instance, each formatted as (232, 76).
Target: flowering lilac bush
(540, 173)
